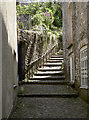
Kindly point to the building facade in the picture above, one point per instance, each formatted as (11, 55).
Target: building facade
(8, 57)
(75, 45)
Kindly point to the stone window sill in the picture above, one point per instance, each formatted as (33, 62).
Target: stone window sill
(84, 87)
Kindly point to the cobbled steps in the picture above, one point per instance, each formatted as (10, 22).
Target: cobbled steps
(48, 91)
(52, 64)
(50, 69)
(49, 81)
(54, 61)
(49, 73)
(47, 78)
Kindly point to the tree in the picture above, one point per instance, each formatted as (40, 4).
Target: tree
(58, 16)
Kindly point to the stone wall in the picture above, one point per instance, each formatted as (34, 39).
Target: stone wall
(0, 63)
(34, 46)
(88, 43)
(79, 38)
(8, 56)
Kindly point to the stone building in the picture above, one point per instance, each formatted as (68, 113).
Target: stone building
(8, 57)
(75, 45)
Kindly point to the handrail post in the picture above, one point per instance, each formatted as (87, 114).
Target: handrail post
(43, 61)
(28, 74)
(37, 66)
(46, 57)
(32, 70)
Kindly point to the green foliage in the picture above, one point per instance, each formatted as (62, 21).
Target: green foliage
(31, 9)
(42, 29)
(56, 33)
(52, 38)
(52, 27)
(22, 10)
(53, 13)
(34, 8)
(36, 20)
(48, 36)
(21, 25)
(49, 5)
(46, 18)
(61, 36)
(58, 16)
(57, 22)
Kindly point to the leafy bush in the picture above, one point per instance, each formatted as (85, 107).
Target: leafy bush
(56, 33)
(61, 37)
(53, 38)
(36, 20)
(52, 27)
(21, 25)
(48, 36)
(31, 9)
(48, 17)
(58, 16)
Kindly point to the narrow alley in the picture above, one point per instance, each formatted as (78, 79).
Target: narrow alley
(44, 59)
(48, 95)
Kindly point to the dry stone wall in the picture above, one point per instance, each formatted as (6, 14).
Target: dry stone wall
(33, 46)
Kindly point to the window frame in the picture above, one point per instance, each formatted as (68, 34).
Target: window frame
(83, 67)
(72, 68)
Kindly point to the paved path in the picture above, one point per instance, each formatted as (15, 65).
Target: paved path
(50, 108)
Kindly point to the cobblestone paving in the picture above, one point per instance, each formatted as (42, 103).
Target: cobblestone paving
(50, 108)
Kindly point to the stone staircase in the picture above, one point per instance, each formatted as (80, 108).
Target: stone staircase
(49, 81)
(48, 95)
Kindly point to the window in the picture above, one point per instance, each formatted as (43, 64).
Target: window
(72, 71)
(83, 67)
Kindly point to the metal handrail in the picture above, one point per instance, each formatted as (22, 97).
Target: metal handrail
(41, 56)
(30, 65)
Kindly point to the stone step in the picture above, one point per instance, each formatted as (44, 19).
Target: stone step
(57, 56)
(54, 61)
(53, 64)
(49, 73)
(32, 90)
(47, 78)
(52, 95)
(50, 69)
(46, 82)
